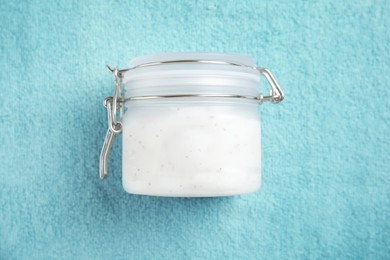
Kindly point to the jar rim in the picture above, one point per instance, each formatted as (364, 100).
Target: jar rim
(183, 56)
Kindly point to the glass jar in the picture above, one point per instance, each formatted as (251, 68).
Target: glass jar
(191, 125)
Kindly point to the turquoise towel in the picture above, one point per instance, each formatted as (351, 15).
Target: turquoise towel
(326, 183)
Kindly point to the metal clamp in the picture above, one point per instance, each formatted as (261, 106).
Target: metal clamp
(114, 121)
(276, 94)
(116, 102)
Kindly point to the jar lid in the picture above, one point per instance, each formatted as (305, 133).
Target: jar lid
(183, 56)
(185, 65)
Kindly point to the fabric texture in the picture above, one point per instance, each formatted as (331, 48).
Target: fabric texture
(326, 185)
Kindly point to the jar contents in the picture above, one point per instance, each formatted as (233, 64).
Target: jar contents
(191, 148)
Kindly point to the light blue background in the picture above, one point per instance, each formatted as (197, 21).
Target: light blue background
(326, 184)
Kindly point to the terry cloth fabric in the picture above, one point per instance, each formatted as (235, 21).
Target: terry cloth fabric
(325, 191)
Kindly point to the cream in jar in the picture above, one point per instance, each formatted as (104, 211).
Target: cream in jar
(199, 146)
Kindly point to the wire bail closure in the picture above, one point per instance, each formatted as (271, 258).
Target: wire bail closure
(116, 101)
(114, 120)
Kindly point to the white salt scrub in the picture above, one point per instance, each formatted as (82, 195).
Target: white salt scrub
(191, 146)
